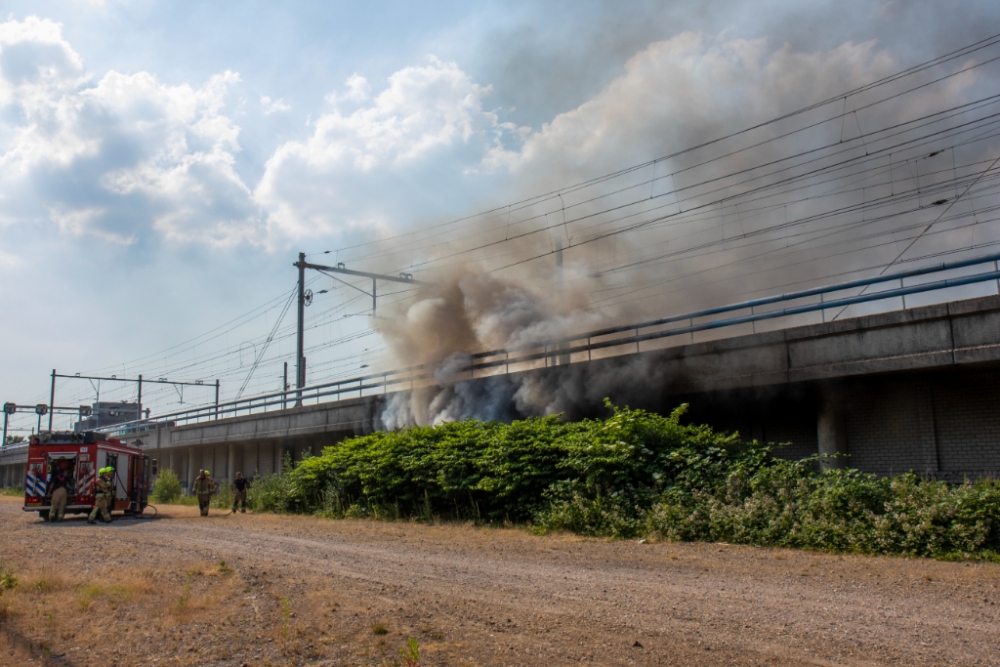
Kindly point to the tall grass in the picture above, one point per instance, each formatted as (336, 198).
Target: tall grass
(634, 474)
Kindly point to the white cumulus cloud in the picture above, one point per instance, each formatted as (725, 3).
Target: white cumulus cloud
(118, 156)
(425, 118)
(273, 106)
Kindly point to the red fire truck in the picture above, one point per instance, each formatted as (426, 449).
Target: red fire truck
(81, 455)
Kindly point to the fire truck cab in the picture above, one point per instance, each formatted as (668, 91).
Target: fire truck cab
(81, 455)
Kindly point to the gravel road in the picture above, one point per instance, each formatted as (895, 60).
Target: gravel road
(478, 596)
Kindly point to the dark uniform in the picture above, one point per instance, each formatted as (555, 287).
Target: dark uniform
(240, 485)
(103, 494)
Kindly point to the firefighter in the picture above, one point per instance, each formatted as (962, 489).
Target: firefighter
(103, 493)
(203, 488)
(240, 485)
(58, 486)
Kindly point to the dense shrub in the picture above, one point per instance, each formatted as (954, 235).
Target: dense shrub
(635, 473)
(167, 487)
(274, 493)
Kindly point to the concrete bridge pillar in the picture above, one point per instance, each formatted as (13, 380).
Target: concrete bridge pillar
(190, 468)
(831, 429)
(230, 461)
(251, 460)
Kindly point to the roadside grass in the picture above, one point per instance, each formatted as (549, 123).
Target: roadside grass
(221, 500)
(15, 491)
(183, 501)
(68, 610)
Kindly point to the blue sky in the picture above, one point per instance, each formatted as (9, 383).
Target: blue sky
(163, 162)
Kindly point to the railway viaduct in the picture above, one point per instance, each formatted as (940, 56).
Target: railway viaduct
(915, 389)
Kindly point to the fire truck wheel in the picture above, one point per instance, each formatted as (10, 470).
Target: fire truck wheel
(44, 515)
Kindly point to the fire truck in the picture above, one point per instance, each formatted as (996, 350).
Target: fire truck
(81, 455)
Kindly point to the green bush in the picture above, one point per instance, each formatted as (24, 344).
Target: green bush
(271, 493)
(224, 498)
(635, 473)
(167, 487)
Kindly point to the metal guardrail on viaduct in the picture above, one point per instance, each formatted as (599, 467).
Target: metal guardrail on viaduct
(799, 385)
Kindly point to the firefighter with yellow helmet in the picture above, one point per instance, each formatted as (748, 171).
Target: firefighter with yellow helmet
(104, 492)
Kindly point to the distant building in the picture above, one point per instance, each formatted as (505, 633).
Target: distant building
(104, 414)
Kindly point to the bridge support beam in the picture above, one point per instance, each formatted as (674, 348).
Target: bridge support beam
(831, 429)
(230, 462)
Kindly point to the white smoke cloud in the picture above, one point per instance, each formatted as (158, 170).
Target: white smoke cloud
(678, 90)
(673, 94)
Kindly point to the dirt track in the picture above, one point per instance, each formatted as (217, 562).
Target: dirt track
(309, 591)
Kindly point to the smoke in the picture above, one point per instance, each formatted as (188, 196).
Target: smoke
(768, 211)
(467, 309)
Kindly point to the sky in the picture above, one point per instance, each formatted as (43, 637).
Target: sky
(162, 163)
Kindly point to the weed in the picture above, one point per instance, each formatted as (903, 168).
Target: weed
(182, 603)
(8, 581)
(411, 654)
(286, 614)
(380, 629)
(86, 594)
(224, 568)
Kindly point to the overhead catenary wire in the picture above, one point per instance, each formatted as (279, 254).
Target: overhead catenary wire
(270, 337)
(768, 190)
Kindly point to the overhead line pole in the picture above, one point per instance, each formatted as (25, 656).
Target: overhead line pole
(300, 360)
(52, 400)
(305, 299)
